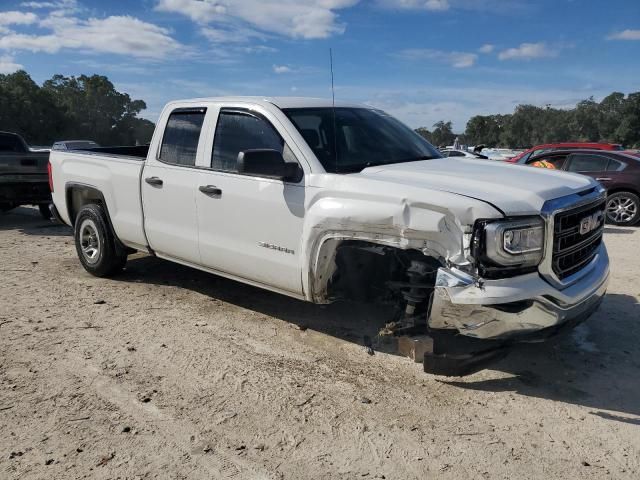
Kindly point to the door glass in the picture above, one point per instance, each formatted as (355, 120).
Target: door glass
(180, 141)
(552, 162)
(588, 163)
(237, 132)
(614, 166)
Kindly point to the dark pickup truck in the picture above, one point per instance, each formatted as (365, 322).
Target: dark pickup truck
(23, 175)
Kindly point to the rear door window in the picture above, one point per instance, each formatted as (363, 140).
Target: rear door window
(181, 137)
(10, 143)
(238, 131)
(556, 162)
(581, 162)
(615, 166)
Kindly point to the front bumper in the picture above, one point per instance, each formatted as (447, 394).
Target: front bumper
(516, 309)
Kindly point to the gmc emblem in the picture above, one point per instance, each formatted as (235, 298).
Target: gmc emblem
(590, 223)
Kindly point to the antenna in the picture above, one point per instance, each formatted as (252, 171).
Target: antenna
(333, 110)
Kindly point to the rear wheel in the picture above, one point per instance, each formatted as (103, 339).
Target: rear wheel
(623, 208)
(44, 211)
(96, 244)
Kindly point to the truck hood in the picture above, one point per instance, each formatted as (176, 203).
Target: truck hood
(513, 189)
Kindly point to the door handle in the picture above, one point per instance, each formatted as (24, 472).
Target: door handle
(603, 179)
(210, 190)
(155, 181)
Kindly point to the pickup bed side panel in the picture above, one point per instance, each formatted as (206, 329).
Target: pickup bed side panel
(118, 180)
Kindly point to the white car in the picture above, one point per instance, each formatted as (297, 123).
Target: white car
(322, 203)
(455, 152)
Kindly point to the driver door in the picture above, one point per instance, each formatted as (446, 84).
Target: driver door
(249, 226)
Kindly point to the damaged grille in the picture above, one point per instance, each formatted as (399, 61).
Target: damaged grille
(577, 236)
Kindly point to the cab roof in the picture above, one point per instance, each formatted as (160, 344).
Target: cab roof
(280, 102)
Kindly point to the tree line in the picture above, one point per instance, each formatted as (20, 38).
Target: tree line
(89, 107)
(71, 108)
(616, 119)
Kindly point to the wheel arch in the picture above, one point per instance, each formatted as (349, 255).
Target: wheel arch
(624, 189)
(323, 265)
(79, 195)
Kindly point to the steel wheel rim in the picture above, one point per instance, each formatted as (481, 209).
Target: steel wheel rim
(621, 209)
(90, 244)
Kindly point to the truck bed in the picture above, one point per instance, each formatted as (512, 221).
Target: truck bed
(115, 173)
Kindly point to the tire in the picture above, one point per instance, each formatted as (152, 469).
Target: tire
(96, 244)
(623, 208)
(44, 211)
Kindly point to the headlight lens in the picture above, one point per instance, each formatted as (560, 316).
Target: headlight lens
(515, 242)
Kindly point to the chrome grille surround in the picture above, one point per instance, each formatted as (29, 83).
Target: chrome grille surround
(562, 277)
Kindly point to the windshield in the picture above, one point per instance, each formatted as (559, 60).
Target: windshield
(362, 138)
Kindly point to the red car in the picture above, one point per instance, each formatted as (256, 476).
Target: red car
(524, 156)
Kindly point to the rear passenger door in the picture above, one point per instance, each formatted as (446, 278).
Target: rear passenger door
(593, 165)
(169, 185)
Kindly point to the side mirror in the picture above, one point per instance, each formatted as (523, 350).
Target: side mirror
(268, 163)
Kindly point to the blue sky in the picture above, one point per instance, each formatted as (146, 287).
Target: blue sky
(422, 60)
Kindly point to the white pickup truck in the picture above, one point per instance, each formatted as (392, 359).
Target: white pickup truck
(323, 202)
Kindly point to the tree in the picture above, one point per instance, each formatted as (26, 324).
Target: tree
(26, 109)
(84, 107)
(425, 133)
(614, 119)
(96, 109)
(442, 134)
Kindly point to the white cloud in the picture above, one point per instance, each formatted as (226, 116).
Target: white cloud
(281, 69)
(437, 5)
(425, 105)
(433, 5)
(17, 18)
(122, 35)
(487, 48)
(230, 35)
(497, 6)
(8, 65)
(528, 51)
(308, 19)
(455, 59)
(625, 35)
(48, 5)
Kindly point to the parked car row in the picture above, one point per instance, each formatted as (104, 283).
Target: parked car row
(617, 171)
(23, 171)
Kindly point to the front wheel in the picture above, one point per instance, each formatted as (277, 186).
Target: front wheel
(96, 244)
(623, 208)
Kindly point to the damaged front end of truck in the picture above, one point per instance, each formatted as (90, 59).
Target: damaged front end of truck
(461, 300)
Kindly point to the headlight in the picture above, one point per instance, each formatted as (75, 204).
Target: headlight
(515, 242)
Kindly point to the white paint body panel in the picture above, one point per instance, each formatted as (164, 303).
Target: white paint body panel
(428, 205)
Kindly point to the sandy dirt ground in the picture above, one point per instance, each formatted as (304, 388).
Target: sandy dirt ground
(167, 372)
